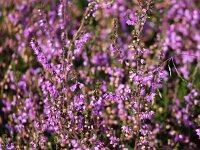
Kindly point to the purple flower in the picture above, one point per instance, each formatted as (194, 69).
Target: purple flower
(79, 44)
(74, 143)
(76, 85)
(131, 19)
(150, 97)
(198, 132)
(10, 146)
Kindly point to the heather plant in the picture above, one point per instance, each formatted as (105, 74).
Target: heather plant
(96, 74)
(180, 29)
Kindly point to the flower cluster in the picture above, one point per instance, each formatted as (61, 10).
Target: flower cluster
(100, 74)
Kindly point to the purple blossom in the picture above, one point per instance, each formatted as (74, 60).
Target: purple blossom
(198, 132)
(79, 44)
(131, 18)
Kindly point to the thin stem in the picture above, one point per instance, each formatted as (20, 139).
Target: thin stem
(138, 125)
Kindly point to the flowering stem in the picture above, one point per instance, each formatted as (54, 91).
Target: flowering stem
(138, 126)
(83, 21)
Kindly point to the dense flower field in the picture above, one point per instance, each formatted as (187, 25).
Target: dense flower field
(100, 74)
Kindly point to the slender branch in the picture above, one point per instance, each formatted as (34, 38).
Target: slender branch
(84, 19)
